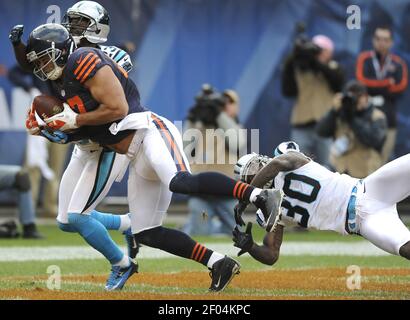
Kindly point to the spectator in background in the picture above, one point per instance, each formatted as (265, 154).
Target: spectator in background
(358, 129)
(312, 77)
(14, 177)
(385, 76)
(43, 158)
(218, 112)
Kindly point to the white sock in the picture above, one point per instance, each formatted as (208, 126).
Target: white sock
(254, 193)
(215, 256)
(125, 222)
(124, 262)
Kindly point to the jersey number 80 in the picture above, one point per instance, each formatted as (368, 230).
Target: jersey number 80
(306, 198)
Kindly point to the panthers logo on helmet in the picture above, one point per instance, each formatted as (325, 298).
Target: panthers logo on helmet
(285, 147)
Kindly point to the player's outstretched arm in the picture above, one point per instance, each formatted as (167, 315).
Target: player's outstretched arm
(286, 162)
(107, 90)
(20, 53)
(268, 253)
(19, 47)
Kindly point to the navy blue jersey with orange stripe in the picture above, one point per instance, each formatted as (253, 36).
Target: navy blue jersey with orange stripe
(81, 66)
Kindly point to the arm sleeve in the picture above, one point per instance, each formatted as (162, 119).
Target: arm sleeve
(371, 133)
(326, 126)
(77, 135)
(21, 58)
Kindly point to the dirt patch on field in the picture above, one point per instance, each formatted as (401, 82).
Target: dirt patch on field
(329, 283)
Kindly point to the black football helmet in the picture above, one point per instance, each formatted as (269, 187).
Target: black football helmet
(48, 48)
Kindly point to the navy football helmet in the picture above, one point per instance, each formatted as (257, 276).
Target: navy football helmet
(48, 48)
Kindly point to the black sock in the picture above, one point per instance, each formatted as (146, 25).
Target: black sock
(210, 183)
(175, 242)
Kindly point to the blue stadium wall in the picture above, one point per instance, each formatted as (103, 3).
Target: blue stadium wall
(237, 44)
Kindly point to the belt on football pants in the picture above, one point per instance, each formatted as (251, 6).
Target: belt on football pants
(351, 225)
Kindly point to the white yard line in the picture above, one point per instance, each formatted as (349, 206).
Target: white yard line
(361, 248)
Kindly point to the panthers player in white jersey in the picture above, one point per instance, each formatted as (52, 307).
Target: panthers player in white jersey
(86, 180)
(315, 197)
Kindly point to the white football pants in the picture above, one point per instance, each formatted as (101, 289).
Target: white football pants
(376, 211)
(156, 155)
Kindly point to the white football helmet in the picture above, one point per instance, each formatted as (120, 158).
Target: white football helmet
(248, 165)
(285, 147)
(87, 19)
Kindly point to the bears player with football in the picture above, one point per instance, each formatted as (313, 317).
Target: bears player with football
(104, 106)
(318, 198)
(88, 23)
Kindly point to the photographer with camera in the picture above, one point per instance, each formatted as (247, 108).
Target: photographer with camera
(217, 141)
(359, 130)
(312, 77)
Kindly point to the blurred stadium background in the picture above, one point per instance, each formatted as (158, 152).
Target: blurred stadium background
(238, 44)
(181, 44)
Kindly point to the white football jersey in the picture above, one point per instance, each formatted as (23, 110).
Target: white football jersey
(315, 197)
(119, 56)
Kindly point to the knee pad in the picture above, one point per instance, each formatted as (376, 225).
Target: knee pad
(184, 182)
(22, 182)
(405, 250)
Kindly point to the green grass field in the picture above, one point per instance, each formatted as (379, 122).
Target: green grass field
(293, 277)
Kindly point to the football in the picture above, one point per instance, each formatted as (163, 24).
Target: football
(47, 106)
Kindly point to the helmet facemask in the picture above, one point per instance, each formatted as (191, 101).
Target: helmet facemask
(247, 167)
(79, 26)
(45, 63)
(82, 26)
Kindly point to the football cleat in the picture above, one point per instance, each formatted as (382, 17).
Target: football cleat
(119, 276)
(222, 273)
(133, 247)
(270, 202)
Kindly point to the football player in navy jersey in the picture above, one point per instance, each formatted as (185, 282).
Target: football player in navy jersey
(103, 105)
(86, 174)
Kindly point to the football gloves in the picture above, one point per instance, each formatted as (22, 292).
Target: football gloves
(63, 121)
(16, 34)
(243, 240)
(56, 136)
(32, 126)
(238, 210)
